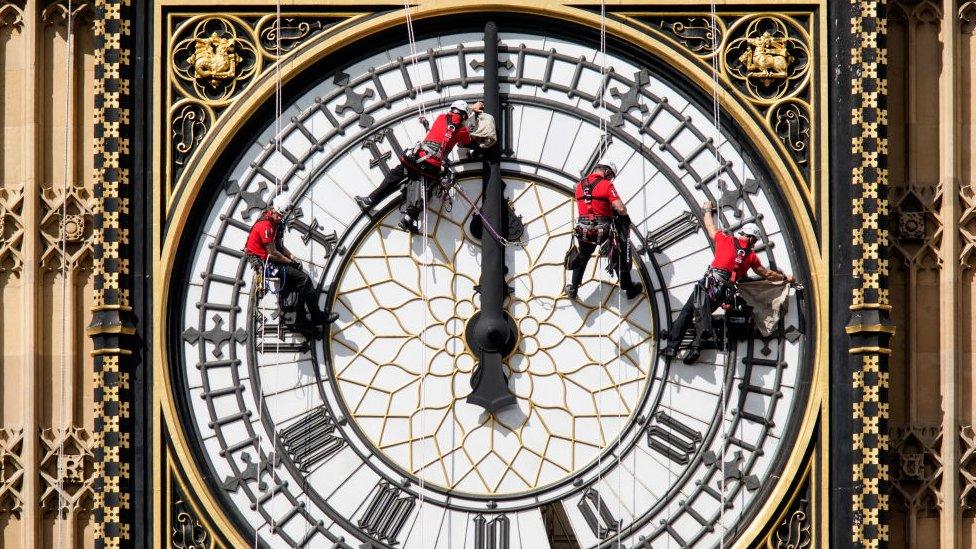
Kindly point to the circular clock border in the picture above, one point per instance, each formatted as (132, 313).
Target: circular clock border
(194, 178)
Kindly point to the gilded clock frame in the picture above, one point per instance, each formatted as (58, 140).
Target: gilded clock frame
(181, 498)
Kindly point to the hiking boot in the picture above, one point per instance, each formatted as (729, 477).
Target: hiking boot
(408, 226)
(325, 320)
(365, 203)
(635, 290)
(692, 355)
(571, 291)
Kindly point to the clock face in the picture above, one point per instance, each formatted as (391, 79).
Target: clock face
(365, 436)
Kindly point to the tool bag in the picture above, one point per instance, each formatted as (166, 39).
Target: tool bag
(738, 321)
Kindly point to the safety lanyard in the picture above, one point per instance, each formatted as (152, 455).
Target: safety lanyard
(588, 184)
(451, 127)
(740, 256)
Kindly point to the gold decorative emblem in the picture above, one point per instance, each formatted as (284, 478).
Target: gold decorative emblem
(215, 58)
(768, 59)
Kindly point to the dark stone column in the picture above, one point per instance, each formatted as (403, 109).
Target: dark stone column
(859, 285)
(112, 327)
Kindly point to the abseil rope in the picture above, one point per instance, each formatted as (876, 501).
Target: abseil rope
(273, 457)
(716, 134)
(424, 267)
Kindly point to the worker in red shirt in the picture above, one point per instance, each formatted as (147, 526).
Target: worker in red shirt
(265, 246)
(601, 215)
(426, 161)
(734, 256)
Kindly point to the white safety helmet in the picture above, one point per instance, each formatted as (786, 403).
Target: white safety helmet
(460, 106)
(280, 203)
(750, 229)
(610, 166)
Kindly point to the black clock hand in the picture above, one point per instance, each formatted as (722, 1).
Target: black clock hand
(491, 336)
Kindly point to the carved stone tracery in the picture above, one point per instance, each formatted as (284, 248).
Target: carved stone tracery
(57, 13)
(967, 225)
(67, 470)
(967, 469)
(11, 14)
(917, 225)
(916, 471)
(67, 216)
(11, 471)
(11, 228)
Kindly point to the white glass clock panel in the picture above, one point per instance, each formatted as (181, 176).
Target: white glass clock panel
(375, 417)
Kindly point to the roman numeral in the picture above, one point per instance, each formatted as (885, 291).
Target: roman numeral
(673, 439)
(491, 534)
(311, 439)
(386, 513)
(311, 232)
(672, 232)
(597, 515)
(380, 158)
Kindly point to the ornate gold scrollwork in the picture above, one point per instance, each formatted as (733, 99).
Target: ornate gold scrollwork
(191, 121)
(700, 35)
(790, 121)
(767, 58)
(188, 532)
(290, 33)
(216, 59)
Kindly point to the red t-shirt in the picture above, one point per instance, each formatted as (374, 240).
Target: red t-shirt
(603, 193)
(725, 255)
(438, 131)
(264, 232)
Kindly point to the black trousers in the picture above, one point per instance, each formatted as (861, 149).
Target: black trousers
(300, 285)
(393, 180)
(586, 250)
(697, 300)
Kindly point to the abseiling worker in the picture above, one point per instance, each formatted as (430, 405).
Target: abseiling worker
(601, 215)
(734, 257)
(265, 246)
(426, 160)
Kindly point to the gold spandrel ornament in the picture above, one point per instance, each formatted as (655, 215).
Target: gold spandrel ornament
(215, 59)
(768, 59)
